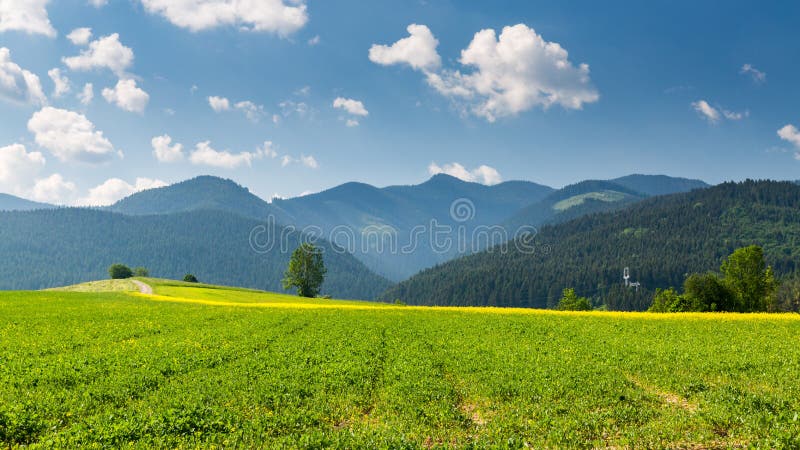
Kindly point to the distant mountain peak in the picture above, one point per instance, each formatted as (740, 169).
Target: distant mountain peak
(202, 192)
(211, 180)
(443, 178)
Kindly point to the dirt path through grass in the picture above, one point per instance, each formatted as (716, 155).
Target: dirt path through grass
(143, 287)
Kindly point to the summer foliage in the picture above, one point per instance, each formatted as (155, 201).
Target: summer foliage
(198, 366)
(306, 271)
(119, 272)
(747, 284)
(571, 302)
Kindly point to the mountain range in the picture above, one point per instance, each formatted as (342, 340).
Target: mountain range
(378, 233)
(660, 239)
(392, 229)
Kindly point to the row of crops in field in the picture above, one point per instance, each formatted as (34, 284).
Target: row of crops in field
(116, 369)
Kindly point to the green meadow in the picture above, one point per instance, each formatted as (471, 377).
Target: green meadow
(205, 366)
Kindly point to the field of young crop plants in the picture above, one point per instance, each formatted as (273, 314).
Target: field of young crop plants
(194, 366)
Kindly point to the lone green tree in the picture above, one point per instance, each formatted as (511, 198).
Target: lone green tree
(141, 272)
(750, 279)
(571, 302)
(189, 278)
(119, 272)
(306, 271)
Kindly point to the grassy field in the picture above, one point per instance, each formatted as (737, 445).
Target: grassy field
(206, 366)
(100, 286)
(605, 196)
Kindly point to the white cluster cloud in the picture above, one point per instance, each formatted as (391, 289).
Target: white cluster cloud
(714, 115)
(164, 151)
(19, 175)
(308, 161)
(86, 95)
(17, 167)
(126, 95)
(204, 154)
(70, 136)
(219, 104)
(757, 75)
(353, 107)
(98, 3)
(252, 111)
(273, 16)
(18, 84)
(418, 50)
(80, 36)
(53, 189)
(114, 189)
(106, 52)
(29, 16)
(482, 174)
(268, 149)
(512, 73)
(791, 134)
(705, 110)
(60, 82)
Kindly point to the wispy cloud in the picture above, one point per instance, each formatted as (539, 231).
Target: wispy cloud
(758, 76)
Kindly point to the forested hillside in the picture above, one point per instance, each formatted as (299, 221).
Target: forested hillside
(200, 193)
(658, 184)
(661, 239)
(59, 247)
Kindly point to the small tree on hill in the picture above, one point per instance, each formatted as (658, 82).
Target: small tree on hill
(306, 271)
(119, 272)
(141, 272)
(189, 278)
(571, 302)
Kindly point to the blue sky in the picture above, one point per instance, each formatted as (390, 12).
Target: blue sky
(664, 92)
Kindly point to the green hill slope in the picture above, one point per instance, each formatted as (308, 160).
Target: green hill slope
(661, 239)
(573, 201)
(60, 247)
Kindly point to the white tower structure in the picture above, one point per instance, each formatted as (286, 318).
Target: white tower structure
(626, 275)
